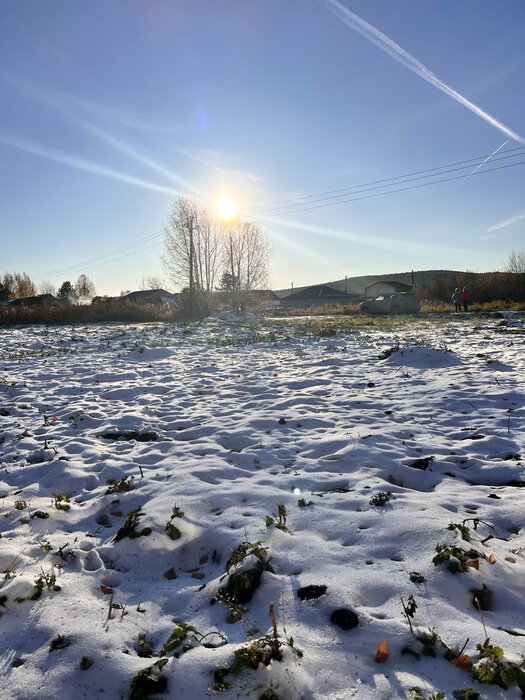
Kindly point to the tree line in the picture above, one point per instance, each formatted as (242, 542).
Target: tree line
(16, 285)
(508, 285)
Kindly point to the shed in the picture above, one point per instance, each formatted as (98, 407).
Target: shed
(386, 287)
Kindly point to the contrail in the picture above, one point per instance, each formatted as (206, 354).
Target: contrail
(486, 159)
(70, 106)
(81, 163)
(508, 222)
(401, 56)
(381, 242)
(128, 150)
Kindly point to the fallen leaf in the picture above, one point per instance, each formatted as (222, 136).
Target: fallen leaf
(464, 662)
(381, 653)
(106, 590)
(474, 563)
(492, 559)
(511, 559)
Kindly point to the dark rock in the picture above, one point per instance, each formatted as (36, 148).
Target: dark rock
(282, 421)
(344, 618)
(422, 463)
(311, 592)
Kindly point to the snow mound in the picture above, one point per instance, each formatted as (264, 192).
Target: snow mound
(142, 354)
(426, 358)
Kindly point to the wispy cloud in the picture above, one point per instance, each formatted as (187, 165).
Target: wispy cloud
(215, 161)
(81, 163)
(379, 242)
(132, 152)
(508, 222)
(133, 118)
(401, 56)
(81, 113)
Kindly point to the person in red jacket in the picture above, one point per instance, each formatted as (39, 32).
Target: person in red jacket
(465, 298)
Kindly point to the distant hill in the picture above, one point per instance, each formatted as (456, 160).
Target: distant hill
(356, 285)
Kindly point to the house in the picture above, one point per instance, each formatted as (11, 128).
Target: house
(318, 295)
(143, 297)
(263, 297)
(152, 297)
(38, 300)
(386, 287)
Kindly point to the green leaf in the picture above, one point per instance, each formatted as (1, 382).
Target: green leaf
(485, 674)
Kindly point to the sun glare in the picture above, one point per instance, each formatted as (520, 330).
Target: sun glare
(226, 206)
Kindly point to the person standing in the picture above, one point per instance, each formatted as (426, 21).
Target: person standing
(456, 298)
(465, 298)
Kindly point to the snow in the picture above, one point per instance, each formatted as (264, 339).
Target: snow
(226, 420)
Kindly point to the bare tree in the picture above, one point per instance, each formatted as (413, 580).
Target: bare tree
(516, 262)
(47, 288)
(152, 282)
(84, 288)
(246, 256)
(192, 244)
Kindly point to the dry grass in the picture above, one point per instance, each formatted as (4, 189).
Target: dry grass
(134, 313)
(97, 313)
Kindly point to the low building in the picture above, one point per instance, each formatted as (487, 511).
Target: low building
(143, 297)
(386, 287)
(263, 298)
(318, 295)
(152, 297)
(38, 300)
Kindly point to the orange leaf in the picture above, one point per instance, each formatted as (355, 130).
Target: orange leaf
(464, 662)
(492, 559)
(381, 653)
(106, 590)
(474, 563)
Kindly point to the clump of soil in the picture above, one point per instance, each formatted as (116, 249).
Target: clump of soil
(344, 618)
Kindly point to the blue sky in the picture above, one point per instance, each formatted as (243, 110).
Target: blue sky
(112, 109)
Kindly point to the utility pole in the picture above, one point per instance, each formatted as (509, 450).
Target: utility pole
(193, 299)
(190, 225)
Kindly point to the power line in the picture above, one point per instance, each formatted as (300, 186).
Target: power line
(450, 167)
(400, 189)
(101, 259)
(362, 188)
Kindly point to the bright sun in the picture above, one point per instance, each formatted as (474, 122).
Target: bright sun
(226, 206)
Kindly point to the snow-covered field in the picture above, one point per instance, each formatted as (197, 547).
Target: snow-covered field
(136, 460)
